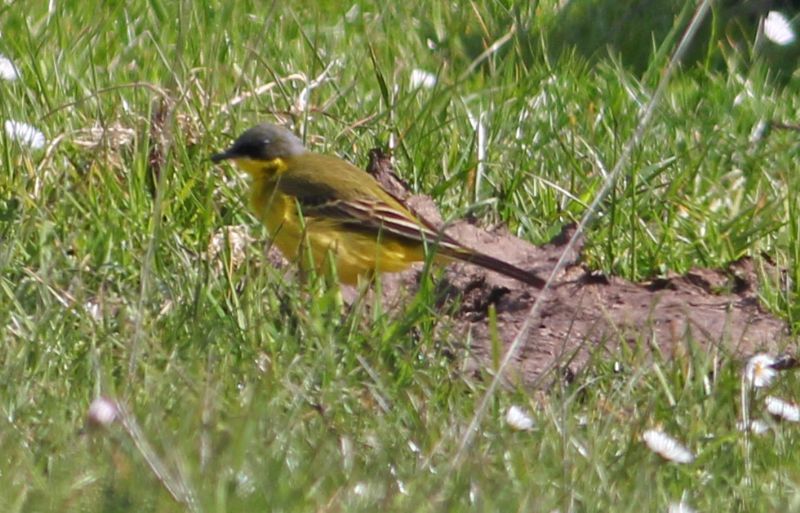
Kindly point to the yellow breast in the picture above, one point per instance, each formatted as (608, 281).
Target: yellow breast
(322, 241)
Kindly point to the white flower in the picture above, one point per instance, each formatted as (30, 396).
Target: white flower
(518, 420)
(759, 371)
(25, 134)
(92, 307)
(422, 78)
(758, 131)
(783, 409)
(680, 507)
(778, 29)
(8, 71)
(667, 447)
(757, 427)
(102, 412)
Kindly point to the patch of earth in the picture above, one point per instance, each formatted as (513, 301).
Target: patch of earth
(584, 313)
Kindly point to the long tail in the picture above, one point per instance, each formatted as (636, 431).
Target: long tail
(397, 220)
(493, 264)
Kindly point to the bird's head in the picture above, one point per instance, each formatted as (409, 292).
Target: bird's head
(260, 147)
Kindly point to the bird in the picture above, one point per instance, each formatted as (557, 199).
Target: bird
(322, 205)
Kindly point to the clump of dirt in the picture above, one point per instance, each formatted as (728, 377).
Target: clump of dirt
(584, 312)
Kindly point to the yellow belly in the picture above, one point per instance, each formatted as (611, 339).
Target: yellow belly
(353, 254)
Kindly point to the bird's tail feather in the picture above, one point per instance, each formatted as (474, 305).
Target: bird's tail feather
(494, 264)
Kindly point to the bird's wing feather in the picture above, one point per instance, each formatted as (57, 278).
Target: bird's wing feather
(308, 192)
(379, 217)
(319, 200)
(364, 206)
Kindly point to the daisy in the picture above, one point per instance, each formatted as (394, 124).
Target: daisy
(782, 409)
(518, 419)
(757, 426)
(102, 412)
(760, 371)
(422, 78)
(8, 71)
(24, 134)
(778, 29)
(680, 507)
(667, 447)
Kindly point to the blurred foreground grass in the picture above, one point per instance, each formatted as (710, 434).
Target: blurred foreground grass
(256, 392)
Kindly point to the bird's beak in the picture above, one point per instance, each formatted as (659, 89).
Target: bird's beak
(225, 155)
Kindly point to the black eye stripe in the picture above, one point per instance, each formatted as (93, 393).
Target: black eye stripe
(249, 149)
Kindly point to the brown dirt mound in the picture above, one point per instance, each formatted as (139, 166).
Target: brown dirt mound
(584, 312)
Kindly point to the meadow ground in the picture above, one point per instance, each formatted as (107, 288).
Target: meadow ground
(131, 268)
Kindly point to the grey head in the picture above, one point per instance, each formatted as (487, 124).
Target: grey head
(263, 142)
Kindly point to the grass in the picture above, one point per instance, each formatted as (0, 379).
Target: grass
(258, 393)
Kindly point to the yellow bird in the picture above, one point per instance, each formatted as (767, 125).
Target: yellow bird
(330, 207)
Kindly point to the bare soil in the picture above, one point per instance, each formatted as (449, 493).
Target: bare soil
(584, 313)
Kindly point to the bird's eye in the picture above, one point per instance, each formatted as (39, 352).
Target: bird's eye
(266, 141)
